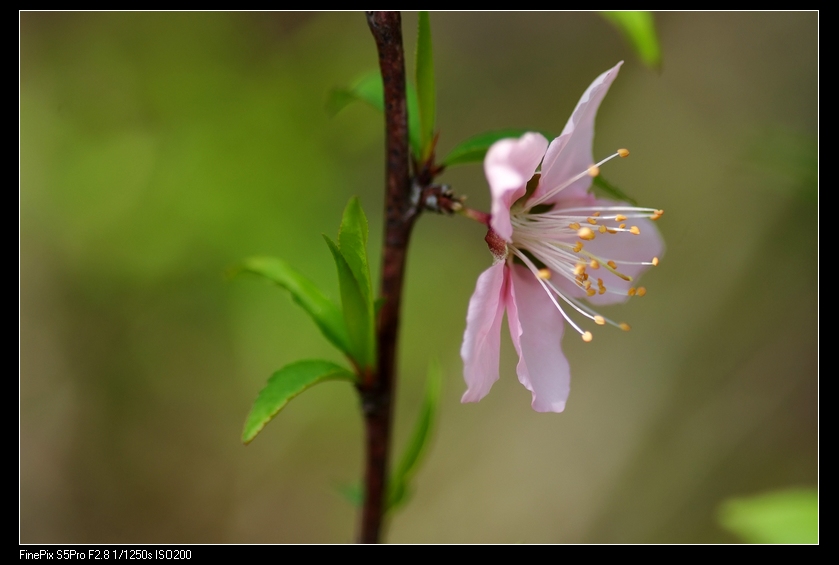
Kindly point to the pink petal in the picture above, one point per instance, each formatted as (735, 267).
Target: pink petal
(624, 246)
(508, 165)
(571, 152)
(536, 327)
(482, 340)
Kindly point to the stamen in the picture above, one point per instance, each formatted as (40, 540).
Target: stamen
(641, 291)
(599, 320)
(624, 326)
(620, 218)
(594, 264)
(550, 193)
(544, 274)
(654, 261)
(602, 228)
(574, 225)
(587, 337)
(592, 221)
(635, 230)
(631, 291)
(623, 152)
(579, 246)
(585, 233)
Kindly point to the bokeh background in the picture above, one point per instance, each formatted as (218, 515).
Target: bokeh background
(158, 149)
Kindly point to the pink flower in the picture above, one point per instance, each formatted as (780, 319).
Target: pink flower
(553, 247)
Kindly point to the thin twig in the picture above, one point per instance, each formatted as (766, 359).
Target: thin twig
(377, 389)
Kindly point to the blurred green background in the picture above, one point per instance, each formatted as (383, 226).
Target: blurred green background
(159, 149)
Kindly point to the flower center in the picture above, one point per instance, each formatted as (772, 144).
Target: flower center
(557, 239)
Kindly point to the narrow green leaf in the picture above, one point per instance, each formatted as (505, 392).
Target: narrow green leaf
(284, 385)
(788, 516)
(639, 29)
(358, 311)
(399, 485)
(369, 89)
(474, 149)
(323, 311)
(352, 240)
(426, 90)
(613, 191)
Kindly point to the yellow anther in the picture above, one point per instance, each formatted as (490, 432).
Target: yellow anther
(594, 264)
(657, 214)
(587, 337)
(655, 261)
(579, 269)
(599, 282)
(587, 284)
(622, 226)
(593, 171)
(623, 152)
(585, 233)
(641, 291)
(624, 326)
(631, 291)
(612, 231)
(578, 247)
(596, 214)
(592, 221)
(635, 230)
(620, 218)
(612, 264)
(544, 274)
(574, 226)
(601, 290)
(591, 292)
(602, 228)
(599, 320)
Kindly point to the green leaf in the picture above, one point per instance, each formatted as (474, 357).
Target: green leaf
(369, 89)
(352, 240)
(639, 29)
(399, 486)
(474, 149)
(613, 191)
(284, 385)
(358, 311)
(426, 90)
(323, 311)
(787, 516)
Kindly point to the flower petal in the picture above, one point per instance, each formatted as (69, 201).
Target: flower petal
(536, 328)
(571, 153)
(624, 246)
(482, 340)
(508, 165)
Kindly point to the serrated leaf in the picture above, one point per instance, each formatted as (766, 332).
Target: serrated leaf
(358, 311)
(639, 29)
(474, 149)
(352, 240)
(399, 486)
(426, 89)
(323, 311)
(611, 190)
(788, 516)
(284, 385)
(370, 89)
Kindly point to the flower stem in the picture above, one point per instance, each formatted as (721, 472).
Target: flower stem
(377, 388)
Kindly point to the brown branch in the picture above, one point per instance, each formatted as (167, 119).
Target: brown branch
(377, 389)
